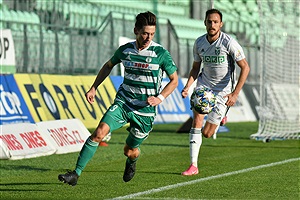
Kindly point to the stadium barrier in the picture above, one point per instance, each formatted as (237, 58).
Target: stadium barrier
(43, 114)
(28, 140)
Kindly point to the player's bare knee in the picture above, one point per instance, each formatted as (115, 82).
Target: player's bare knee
(207, 134)
(100, 132)
(98, 135)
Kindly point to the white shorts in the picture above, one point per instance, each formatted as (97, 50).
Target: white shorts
(216, 116)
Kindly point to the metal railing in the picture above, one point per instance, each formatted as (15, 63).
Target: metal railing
(58, 49)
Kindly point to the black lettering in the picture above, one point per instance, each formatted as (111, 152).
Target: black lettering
(70, 91)
(63, 102)
(100, 101)
(36, 104)
(88, 106)
(49, 101)
(6, 46)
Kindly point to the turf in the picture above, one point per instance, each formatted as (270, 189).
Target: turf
(165, 154)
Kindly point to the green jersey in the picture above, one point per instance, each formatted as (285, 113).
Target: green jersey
(143, 75)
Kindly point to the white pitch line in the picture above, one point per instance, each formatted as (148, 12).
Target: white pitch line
(168, 187)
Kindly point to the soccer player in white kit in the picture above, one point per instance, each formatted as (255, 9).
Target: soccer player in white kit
(218, 52)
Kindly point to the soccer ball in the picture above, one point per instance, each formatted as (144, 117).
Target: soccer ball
(107, 137)
(203, 100)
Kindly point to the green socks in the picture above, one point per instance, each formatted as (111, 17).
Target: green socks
(87, 152)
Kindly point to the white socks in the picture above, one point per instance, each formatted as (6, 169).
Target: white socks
(195, 144)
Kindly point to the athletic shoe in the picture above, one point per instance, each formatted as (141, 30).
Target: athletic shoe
(103, 144)
(129, 171)
(192, 170)
(224, 121)
(70, 177)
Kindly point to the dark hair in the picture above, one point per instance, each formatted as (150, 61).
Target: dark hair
(145, 19)
(213, 10)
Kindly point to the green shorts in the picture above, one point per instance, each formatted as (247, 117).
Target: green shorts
(139, 128)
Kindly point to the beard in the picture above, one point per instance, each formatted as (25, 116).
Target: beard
(212, 33)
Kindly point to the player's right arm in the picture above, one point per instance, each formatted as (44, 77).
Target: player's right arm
(192, 77)
(103, 73)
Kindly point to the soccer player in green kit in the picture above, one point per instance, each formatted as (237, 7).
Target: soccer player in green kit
(137, 98)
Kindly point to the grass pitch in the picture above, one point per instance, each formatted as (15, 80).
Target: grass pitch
(231, 167)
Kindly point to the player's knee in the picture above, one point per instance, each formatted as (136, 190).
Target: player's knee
(100, 132)
(98, 135)
(207, 133)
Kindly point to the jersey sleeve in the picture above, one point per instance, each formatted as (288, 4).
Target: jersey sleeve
(168, 64)
(115, 59)
(236, 51)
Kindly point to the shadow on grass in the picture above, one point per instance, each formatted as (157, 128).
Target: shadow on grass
(139, 171)
(155, 144)
(23, 167)
(3, 185)
(259, 144)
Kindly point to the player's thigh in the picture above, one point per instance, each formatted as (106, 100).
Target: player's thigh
(115, 117)
(197, 119)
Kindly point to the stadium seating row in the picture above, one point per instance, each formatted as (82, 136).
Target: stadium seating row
(239, 17)
(78, 14)
(19, 18)
(245, 16)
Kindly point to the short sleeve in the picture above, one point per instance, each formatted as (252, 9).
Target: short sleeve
(115, 59)
(236, 51)
(168, 64)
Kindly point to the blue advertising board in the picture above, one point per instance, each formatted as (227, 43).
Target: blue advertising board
(13, 108)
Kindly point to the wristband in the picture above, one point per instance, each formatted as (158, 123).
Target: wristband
(161, 97)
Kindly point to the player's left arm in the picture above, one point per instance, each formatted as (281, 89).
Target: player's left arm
(102, 74)
(245, 69)
(168, 89)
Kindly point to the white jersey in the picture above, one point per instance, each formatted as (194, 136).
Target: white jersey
(218, 61)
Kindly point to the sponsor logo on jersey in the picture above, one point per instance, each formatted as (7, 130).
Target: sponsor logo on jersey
(136, 64)
(214, 59)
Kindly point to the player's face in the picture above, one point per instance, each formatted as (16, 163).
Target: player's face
(213, 24)
(144, 36)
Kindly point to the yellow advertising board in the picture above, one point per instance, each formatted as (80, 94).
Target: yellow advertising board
(53, 97)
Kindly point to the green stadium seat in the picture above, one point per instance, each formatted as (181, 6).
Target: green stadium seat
(289, 8)
(185, 3)
(187, 23)
(183, 33)
(16, 17)
(136, 6)
(277, 7)
(231, 21)
(224, 5)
